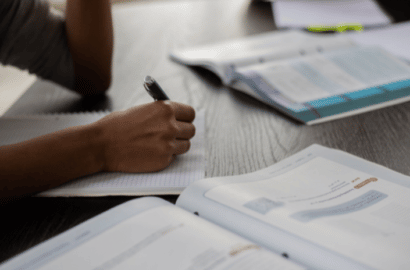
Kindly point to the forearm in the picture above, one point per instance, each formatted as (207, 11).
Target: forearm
(48, 161)
(90, 38)
(138, 140)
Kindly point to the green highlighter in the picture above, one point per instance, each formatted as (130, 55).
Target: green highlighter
(341, 27)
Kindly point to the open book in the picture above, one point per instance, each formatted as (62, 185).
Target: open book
(310, 77)
(319, 209)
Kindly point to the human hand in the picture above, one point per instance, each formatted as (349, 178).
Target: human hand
(145, 138)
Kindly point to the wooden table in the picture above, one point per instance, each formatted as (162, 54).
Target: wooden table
(243, 135)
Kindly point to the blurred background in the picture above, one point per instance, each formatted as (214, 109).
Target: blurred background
(14, 82)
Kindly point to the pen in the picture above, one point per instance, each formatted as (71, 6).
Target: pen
(154, 89)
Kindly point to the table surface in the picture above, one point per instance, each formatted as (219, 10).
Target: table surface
(243, 135)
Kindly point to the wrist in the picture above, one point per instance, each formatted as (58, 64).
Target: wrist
(95, 143)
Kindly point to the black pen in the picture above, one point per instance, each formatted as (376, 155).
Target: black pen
(154, 89)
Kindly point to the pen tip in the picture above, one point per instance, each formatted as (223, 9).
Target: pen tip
(148, 80)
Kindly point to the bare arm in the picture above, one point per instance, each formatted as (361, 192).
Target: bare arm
(141, 139)
(90, 38)
(47, 161)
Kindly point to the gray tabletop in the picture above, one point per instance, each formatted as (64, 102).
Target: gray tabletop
(243, 135)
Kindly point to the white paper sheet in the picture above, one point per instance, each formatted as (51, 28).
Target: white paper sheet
(302, 14)
(394, 39)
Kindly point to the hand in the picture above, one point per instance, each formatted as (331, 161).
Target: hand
(145, 138)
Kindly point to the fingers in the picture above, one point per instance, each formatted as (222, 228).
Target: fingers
(181, 147)
(183, 112)
(185, 130)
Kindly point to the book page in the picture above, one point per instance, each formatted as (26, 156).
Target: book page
(158, 237)
(394, 39)
(224, 57)
(331, 205)
(349, 210)
(328, 74)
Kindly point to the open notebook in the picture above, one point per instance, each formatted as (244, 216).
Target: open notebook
(183, 171)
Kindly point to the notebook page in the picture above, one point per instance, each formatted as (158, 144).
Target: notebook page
(182, 171)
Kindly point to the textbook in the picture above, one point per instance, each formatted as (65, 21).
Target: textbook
(310, 77)
(318, 209)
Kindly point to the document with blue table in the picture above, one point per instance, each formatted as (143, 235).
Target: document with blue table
(311, 77)
(319, 209)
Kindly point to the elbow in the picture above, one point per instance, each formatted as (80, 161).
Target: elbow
(103, 84)
(93, 84)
